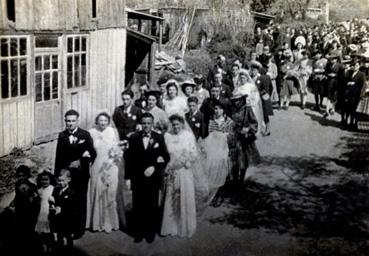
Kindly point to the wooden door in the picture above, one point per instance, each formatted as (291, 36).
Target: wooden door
(48, 105)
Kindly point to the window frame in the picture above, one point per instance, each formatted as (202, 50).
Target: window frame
(65, 62)
(28, 58)
(50, 71)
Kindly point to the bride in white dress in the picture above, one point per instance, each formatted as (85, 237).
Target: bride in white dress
(102, 212)
(179, 216)
(174, 104)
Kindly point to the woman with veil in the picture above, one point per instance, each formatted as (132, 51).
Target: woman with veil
(246, 86)
(102, 200)
(176, 104)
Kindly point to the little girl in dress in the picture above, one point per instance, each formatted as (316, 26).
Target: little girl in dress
(45, 190)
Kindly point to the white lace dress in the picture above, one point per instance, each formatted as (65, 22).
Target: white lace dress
(179, 216)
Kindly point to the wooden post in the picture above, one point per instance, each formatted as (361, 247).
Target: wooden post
(151, 64)
(160, 35)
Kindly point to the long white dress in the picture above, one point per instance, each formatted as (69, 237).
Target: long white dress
(102, 213)
(255, 100)
(179, 216)
(43, 225)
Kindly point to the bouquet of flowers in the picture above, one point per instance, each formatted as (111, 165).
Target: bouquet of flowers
(115, 155)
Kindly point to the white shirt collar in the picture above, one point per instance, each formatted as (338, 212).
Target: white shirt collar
(74, 131)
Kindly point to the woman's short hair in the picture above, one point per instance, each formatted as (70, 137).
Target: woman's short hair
(176, 117)
(102, 114)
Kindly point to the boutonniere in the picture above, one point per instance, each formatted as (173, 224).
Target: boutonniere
(223, 91)
(156, 145)
(258, 81)
(160, 160)
(197, 125)
(193, 119)
(81, 141)
(151, 141)
(134, 117)
(66, 196)
(74, 139)
(129, 114)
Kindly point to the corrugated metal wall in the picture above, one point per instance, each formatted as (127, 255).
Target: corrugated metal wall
(106, 76)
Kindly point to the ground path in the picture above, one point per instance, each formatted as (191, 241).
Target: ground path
(308, 197)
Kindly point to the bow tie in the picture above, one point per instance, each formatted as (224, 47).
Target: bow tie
(146, 135)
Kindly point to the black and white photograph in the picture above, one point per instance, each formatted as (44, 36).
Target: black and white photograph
(184, 127)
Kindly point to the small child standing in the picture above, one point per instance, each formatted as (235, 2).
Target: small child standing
(26, 205)
(45, 191)
(63, 210)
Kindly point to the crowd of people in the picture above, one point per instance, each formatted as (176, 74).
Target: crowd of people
(175, 147)
(330, 60)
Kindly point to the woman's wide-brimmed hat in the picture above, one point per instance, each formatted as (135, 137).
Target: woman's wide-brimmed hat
(187, 83)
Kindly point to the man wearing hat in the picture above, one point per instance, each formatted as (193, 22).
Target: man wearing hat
(333, 71)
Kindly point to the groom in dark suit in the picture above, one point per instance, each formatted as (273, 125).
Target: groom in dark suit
(75, 151)
(146, 158)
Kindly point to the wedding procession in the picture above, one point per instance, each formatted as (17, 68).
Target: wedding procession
(254, 144)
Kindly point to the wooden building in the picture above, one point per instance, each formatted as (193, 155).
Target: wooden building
(56, 55)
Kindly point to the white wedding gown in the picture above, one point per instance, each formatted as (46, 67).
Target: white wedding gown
(179, 216)
(102, 213)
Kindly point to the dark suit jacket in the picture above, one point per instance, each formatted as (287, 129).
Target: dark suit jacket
(66, 220)
(141, 102)
(67, 153)
(225, 92)
(126, 123)
(138, 159)
(264, 84)
(355, 89)
(197, 124)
